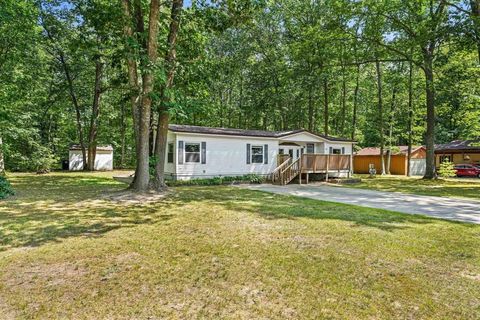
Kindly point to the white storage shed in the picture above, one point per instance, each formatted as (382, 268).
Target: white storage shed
(103, 159)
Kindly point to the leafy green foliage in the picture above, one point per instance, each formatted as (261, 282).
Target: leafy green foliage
(5, 188)
(272, 65)
(249, 178)
(447, 169)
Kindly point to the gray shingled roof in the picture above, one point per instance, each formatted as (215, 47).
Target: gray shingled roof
(459, 145)
(245, 133)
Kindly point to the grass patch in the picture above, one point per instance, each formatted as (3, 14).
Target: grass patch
(454, 187)
(67, 250)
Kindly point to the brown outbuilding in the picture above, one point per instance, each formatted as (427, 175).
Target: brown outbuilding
(458, 152)
(364, 158)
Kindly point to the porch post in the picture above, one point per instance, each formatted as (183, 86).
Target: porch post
(338, 164)
(349, 166)
(328, 162)
(300, 169)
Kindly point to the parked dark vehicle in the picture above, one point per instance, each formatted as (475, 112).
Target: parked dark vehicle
(467, 170)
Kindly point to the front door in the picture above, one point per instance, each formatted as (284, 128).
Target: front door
(293, 151)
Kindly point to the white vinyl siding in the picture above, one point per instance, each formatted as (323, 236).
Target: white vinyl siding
(226, 156)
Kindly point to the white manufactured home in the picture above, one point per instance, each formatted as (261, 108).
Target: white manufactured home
(204, 152)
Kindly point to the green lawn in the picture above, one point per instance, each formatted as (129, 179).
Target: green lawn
(75, 246)
(454, 187)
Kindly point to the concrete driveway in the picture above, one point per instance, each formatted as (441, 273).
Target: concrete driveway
(465, 210)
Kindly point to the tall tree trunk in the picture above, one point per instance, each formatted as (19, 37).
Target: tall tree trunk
(310, 108)
(325, 108)
(152, 133)
(222, 106)
(380, 113)
(390, 128)
(355, 103)
(122, 136)
(162, 129)
(410, 118)
(92, 136)
(142, 172)
(475, 9)
(133, 83)
(2, 161)
(430, 96)
(344, 102)
(240, 103)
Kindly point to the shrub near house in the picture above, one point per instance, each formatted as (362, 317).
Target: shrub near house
(447, 169)
(5, 188)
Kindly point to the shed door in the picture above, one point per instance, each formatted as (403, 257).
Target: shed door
(417, 167)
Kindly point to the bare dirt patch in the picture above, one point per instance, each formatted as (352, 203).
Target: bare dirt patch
(129, 197)
(57, 274)
(471, 275)
(6, 311)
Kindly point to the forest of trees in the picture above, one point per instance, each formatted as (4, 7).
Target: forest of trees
(95, 72)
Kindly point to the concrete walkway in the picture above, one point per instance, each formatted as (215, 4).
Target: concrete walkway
(465, 210)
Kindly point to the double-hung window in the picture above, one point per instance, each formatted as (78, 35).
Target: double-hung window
(336, 151)
(257, 154)
(192, 152)
(444, 158)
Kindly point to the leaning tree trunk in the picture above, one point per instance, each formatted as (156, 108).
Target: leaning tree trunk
(380, 113)
(92, 136)
(142, 172)
(430, 134)
(2, 162)
(76, 105)
(71, 90)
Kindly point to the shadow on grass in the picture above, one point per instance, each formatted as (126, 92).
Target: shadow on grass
(52, 208)
(273, 206)
(49, 208)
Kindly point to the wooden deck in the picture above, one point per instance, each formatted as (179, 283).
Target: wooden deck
(288, 170)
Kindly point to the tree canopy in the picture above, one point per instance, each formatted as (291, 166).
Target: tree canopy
(380, 72)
